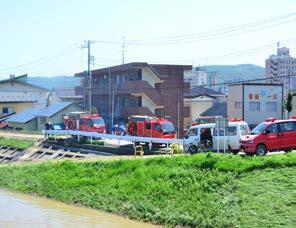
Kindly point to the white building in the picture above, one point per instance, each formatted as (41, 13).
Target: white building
(282, 65)
(254, 102)
(196, 77)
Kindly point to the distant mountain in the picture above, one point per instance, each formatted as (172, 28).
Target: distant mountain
(224, 74)
(55, 82)
(233, 73)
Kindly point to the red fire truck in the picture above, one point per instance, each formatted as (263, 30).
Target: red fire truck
(84, 121)
(147, 126)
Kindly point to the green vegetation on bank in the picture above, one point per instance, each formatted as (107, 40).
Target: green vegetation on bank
(205, 190)
(21, 144)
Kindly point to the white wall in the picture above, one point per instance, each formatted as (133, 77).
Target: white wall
(266, 93)
(149, 76)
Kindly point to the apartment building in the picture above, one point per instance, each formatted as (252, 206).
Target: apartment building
(282, 67)
(254, 102)
(140, 88)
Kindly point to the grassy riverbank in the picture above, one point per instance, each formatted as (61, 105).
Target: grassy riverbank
(206, 190)
(21, 144)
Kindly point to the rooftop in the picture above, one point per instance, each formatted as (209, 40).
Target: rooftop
(200, 90)
(24, 116)
(218, 109)
(14, 97)
(127, 66)
(53, 109)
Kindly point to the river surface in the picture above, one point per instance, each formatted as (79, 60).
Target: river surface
(20, 210)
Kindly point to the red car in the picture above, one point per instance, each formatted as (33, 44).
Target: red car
(271, 135)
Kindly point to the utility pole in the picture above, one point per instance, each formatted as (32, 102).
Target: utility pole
(90, 60)
(123, 47)
(178, 112)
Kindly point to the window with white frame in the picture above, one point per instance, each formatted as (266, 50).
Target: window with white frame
(254, 106)
(271, 106)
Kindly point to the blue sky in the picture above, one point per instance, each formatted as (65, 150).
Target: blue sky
(34, 29)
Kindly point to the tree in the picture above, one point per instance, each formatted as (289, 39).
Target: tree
(94, 110)
(288, 104)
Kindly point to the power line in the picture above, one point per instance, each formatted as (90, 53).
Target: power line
(220, 33)
(58, 54)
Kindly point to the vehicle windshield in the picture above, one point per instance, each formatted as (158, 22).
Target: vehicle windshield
(259, 129)
(98, 122)
(167, 126)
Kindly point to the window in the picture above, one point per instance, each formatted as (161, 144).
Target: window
(157, 127)
(191, 132)
(148, 126)
(221, 132)
(273, 128)
(254, 106)
(232, 131)
(42, 119)
(133, 103)
(238, 105)
(244, 129)
(139, 74)
(7, 110)
(271, 106)
(287, 126)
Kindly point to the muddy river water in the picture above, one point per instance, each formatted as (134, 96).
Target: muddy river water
(20, 210)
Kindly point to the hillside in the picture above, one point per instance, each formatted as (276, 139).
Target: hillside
(55, 82)
(230, 73)
(225, 73)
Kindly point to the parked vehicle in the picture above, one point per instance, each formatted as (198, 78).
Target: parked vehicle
(204, 137)
(147, 126)
(83, 121)
(271, 135)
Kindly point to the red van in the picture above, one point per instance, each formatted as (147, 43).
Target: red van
(271, 135)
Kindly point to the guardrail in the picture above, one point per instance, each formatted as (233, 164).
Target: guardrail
(133, 139)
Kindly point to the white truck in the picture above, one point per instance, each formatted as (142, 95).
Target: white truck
(205, 137)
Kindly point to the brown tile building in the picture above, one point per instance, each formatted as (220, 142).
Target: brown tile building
(140, 89)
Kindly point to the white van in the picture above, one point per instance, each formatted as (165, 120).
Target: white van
(204, 137)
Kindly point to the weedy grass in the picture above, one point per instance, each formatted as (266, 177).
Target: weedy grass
(21, 144)
(204, 190)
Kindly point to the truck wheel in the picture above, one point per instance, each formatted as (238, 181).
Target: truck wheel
(261, 150)
(193, 149)
(235, 151)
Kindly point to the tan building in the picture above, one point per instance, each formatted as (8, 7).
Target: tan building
(14, 102)
(199, 100)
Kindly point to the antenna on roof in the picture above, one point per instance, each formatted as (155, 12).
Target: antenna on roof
(278, 44)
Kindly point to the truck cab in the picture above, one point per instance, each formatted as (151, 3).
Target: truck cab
(147, 126)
